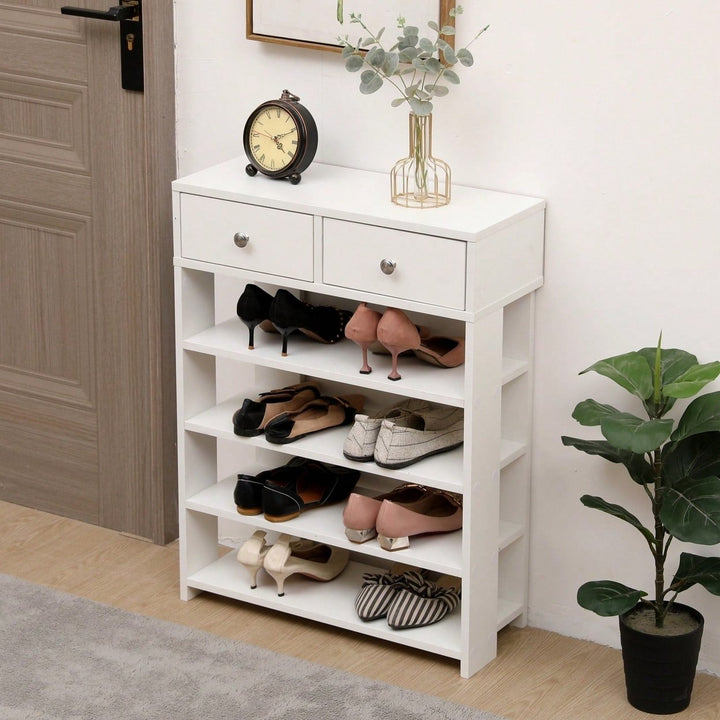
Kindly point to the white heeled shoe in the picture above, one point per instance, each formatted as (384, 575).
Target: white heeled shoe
(252, 554)
(306, 557)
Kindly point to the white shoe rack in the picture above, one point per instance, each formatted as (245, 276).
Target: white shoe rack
(469, 269)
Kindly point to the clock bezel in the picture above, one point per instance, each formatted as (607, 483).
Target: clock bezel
(307, 137)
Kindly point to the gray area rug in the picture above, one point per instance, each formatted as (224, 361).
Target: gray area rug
(63, 657)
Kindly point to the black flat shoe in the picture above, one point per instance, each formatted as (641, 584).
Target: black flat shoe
(248, 488)
(323, 323)
(253, 308)
(250, 420)
(314, 484)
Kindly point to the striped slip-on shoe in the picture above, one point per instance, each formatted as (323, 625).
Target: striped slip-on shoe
(379, 589)
(423, 603)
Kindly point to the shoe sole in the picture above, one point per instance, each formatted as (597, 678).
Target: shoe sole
(405, 463)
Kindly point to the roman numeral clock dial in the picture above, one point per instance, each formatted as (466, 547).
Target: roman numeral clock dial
(280, 139)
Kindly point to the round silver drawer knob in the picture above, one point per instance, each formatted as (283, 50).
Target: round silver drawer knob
(388, 266)
(241, 239)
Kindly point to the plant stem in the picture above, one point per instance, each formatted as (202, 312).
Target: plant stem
(659, 550)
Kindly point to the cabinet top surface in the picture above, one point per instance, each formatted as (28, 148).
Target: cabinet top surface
(362, 196)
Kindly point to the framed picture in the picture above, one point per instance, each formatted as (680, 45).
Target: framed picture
(315, 23)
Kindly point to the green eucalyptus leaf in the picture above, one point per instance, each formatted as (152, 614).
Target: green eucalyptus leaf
(408, 54)
(631, 371)
(421, 94)
(697, 569)
(597, 503)
(439, 91)
(447, 30)
(426, 46)
(637, 466)
(434, 65)
(628, 432)
(692, 380)
(608, 598)
(367, 88)
(691, 510)
(390, 64)
(376, 57)
(701, 415)
(397, 102)
(347, 50)
(354, 63)
(450, 58)
(367, 42)
(465, 57)
(433, 26)
(420, 107)
(410, 30)
(452, 77)
(419, 64)
(367, 75)
(590, 412)
(379, 33)
(443, 45)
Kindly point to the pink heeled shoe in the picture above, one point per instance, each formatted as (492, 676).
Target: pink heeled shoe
(362, 330)
(398, 334)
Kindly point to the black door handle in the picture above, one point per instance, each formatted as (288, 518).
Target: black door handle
(119, 12)
(129, 14)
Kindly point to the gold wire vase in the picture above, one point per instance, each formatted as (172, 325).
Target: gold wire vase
(420, 180)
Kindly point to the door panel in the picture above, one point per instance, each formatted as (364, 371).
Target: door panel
(86, 372)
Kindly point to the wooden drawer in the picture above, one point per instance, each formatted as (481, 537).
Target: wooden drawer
(428, 269)
(279, 242)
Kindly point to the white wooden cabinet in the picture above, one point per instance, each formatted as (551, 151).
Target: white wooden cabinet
(471, 267)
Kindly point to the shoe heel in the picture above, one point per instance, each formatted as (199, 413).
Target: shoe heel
(362, 330)
(253, 308)
(398, 334)
(360, 536)
(388, 543)
(251, 555)
(285, 332)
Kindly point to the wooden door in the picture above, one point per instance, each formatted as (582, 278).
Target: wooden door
(86, 331)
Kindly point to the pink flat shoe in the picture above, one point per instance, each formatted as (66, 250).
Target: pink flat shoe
(361, 511)
(436, 512)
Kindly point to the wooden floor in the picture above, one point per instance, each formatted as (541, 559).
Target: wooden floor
(538, 675)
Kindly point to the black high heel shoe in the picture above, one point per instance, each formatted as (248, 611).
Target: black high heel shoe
(323, 323)
(253, 308)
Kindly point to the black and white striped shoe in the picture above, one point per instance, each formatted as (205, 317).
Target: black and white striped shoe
(379, 590)
(423, 603)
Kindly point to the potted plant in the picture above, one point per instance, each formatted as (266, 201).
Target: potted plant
(677, 467)
(420, 68)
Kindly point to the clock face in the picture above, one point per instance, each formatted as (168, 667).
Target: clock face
(273, 139)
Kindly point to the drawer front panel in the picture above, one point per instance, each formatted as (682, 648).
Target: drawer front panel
(427, 269)
(279, 242)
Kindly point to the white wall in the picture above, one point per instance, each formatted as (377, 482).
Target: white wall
(609, 110)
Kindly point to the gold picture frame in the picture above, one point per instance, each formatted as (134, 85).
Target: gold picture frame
(297, 27)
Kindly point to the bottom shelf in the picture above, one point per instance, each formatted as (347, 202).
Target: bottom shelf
(333, 603)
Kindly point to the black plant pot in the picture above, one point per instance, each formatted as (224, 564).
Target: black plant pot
(660, 669)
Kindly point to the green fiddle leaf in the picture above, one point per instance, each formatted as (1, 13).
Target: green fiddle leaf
(637, 466)
(701, 415)
(597, 503)
(590, 412)
(608, 598)
(631, 371)
(697, 569)
(628, 432)
(691, 510)
(673, 362)
(692, 380)
(693, 458)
